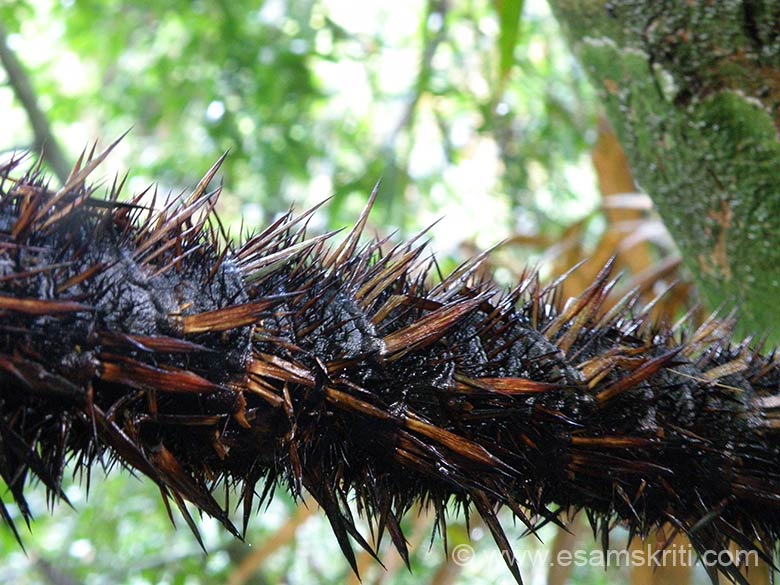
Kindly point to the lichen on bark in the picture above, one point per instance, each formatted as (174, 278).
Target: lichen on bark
(693, 90)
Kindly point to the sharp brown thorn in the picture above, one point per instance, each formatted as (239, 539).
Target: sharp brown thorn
(200, 188)
(33, 306)
(347, 248)
(82, 277)
(141, 376)
(227, 318)
(79, 176)
(427, 329)
(582, 301)
(256, 267)
(508, 386)
(277, 368)
(643, 372)
(483, 505)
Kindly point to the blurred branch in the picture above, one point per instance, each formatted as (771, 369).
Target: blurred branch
(431, 43)
(53, 575)
(565, 540)
(396, 177)
(44, 140)
(283, 536)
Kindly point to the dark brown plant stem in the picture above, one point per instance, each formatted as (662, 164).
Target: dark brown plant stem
(141, 335)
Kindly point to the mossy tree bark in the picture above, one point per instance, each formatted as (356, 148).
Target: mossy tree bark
(693, 90)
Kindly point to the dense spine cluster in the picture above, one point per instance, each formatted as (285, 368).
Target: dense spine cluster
(144, 336)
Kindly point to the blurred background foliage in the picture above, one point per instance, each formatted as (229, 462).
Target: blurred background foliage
(473, 111)
(473, 104)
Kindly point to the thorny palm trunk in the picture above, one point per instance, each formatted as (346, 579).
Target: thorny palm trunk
(143, 337)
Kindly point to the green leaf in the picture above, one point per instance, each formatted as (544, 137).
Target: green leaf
(509, 17)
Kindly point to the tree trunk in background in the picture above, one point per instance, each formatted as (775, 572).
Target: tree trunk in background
(693, 91)
(663, 573)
